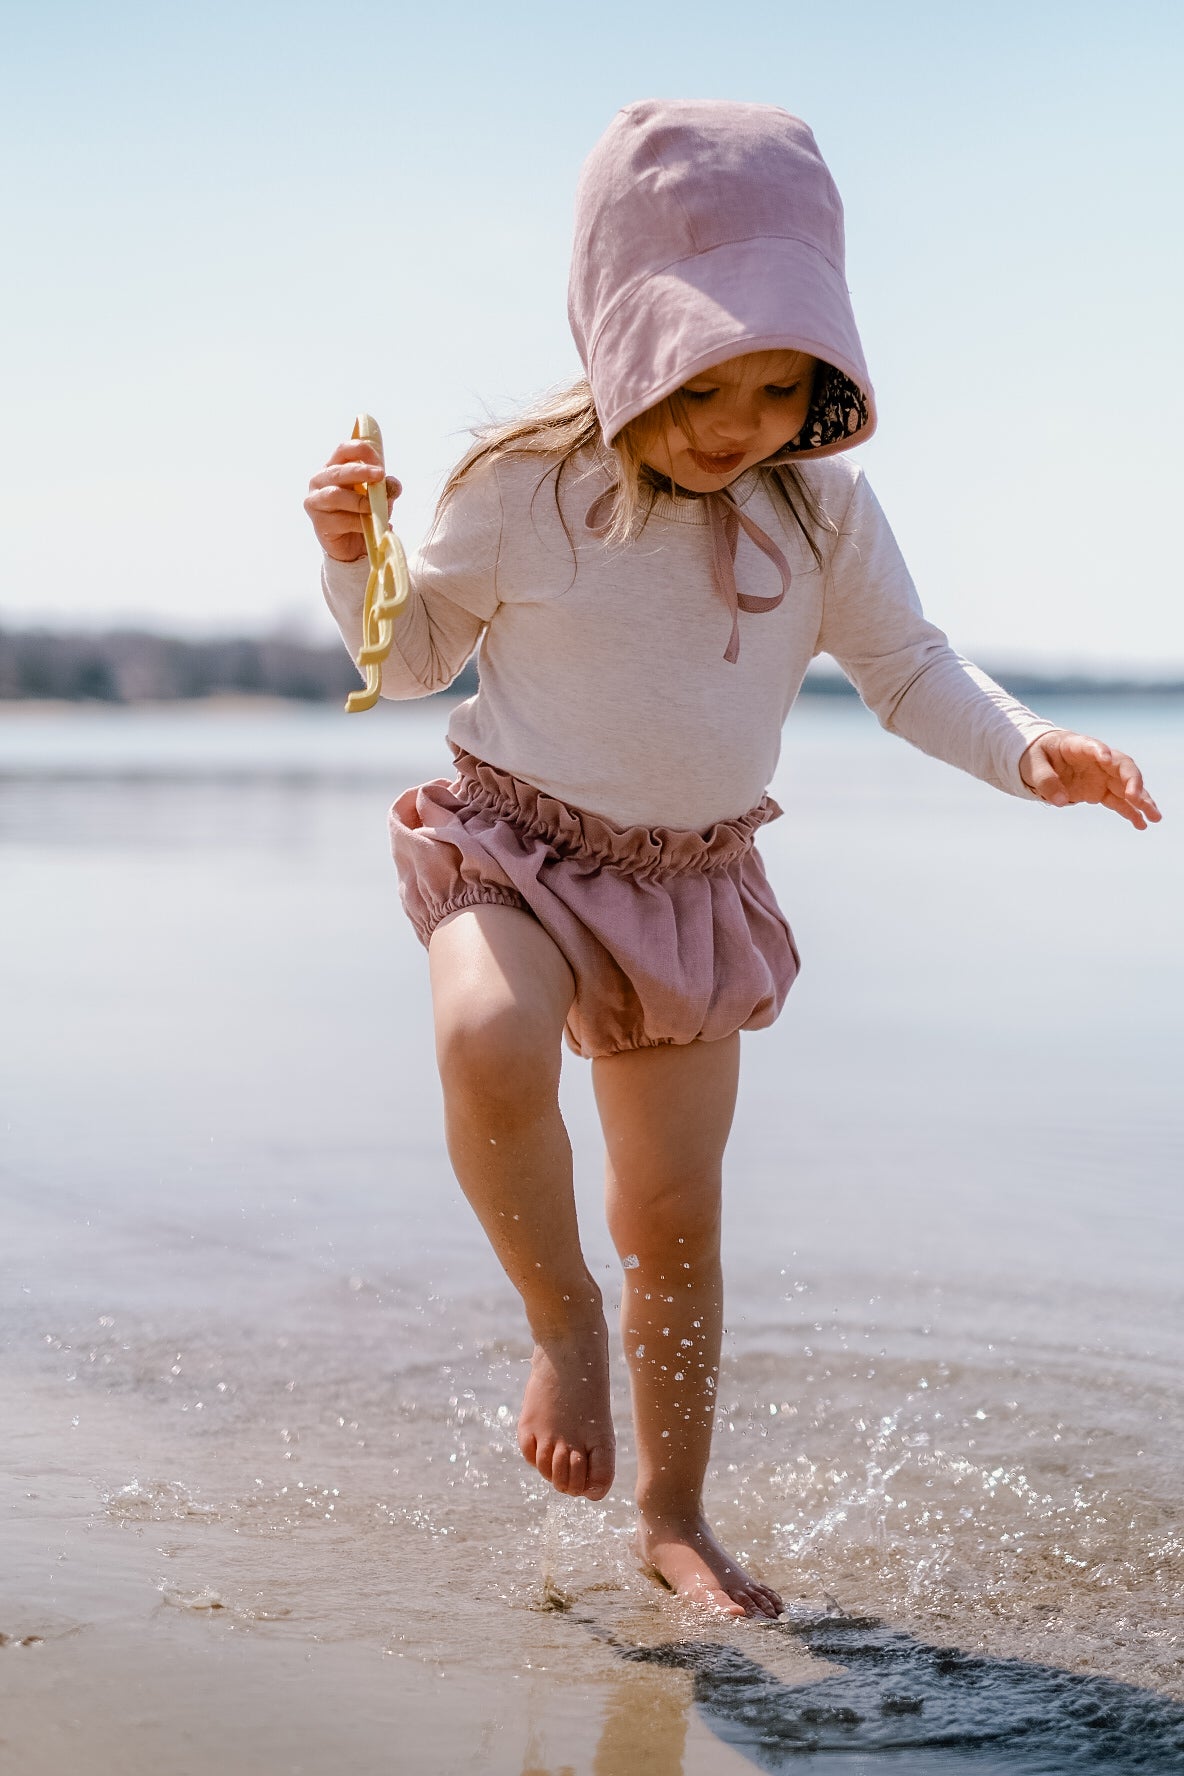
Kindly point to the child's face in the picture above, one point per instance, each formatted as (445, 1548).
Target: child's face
(732, 416)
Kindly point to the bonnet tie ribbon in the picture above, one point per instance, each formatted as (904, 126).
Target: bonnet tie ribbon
(725, 521)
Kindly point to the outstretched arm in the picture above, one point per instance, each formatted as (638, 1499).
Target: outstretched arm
(903, 666)
(1064, 767)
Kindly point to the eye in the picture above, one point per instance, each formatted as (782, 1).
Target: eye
(697, 394)
(780, 393)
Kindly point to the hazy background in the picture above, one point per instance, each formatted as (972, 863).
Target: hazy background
(231, 226)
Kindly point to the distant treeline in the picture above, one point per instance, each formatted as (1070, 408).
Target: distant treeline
(140, 666)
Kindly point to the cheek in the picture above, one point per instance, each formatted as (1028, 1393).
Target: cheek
(675, 439)
(791, 418)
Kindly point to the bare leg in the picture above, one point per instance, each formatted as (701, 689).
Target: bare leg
(666, 1113)
(501, 992)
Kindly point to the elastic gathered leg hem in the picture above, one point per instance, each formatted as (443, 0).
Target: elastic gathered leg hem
(485, 895)
(644, 1042)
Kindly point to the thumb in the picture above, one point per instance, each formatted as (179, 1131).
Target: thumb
(1040, 774)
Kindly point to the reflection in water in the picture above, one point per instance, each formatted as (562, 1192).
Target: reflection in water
(644, 1729)
(895, 1694)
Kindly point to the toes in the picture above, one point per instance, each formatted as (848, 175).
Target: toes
(601, 1468)
(578, 1472)
(758, 1599)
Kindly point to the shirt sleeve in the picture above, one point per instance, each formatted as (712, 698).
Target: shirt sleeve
(453, 592)
(903, 666)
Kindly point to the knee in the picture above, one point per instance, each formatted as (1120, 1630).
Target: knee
(670, 1227)
(497, 1059)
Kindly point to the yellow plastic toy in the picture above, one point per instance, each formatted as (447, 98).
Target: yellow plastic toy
(389, 585)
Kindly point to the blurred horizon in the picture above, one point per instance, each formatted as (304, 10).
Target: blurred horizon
(127, 666)
(312, 628)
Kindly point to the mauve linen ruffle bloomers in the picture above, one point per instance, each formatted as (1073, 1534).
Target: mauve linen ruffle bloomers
(672, 936)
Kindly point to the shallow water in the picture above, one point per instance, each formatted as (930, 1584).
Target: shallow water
(263, 1499)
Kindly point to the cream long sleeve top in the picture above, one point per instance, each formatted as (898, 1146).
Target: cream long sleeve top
(603, 680)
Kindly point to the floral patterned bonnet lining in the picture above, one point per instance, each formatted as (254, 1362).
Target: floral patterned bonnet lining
(838, 410)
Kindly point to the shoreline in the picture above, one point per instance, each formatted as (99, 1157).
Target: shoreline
(823, 685)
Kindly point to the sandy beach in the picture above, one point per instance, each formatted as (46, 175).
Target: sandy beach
(263, 1505)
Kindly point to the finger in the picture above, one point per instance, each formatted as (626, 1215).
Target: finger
(1124, 780)
(1121, 806)
(1133, 788)
(1138, 797)
(337, 527)
(346, 474)
(355, 450)
(1126, 768)
(336, 499)
(1084, 746)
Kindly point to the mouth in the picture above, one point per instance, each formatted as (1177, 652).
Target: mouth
(717, 462)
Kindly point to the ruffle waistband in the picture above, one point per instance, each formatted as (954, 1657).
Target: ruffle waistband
(645, 852)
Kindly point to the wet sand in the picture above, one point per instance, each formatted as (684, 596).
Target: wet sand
(263, 1505)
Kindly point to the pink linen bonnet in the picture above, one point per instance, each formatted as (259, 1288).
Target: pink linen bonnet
(704, 230)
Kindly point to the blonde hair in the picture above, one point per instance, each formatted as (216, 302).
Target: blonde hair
(562, 424)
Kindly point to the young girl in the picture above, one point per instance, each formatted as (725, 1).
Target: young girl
(649, 560)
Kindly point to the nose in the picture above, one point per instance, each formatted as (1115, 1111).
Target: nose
(731, 427)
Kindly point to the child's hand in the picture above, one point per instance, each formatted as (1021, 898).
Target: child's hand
(334, 506)
(1064, 767)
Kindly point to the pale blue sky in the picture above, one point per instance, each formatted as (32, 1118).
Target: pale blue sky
(231, 226)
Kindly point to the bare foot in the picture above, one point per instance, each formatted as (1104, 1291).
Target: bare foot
(687, 1557)
(565, 1428)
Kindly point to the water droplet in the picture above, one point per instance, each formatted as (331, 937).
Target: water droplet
(633, 1262)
